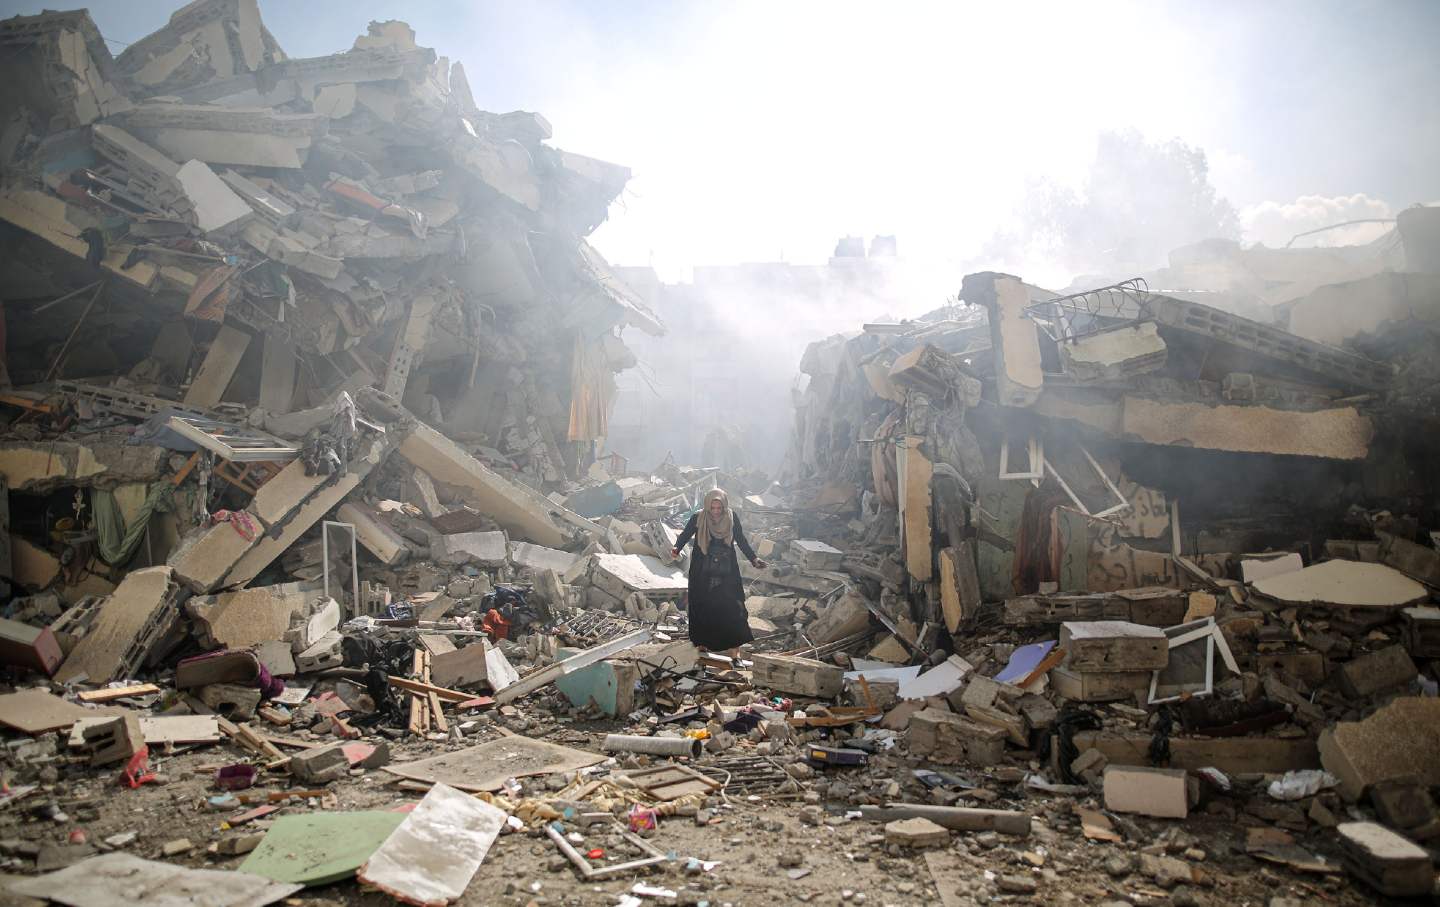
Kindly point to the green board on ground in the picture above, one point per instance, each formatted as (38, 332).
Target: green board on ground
(317, 848)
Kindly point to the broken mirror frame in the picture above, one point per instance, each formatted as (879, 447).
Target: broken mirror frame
(1193, 634)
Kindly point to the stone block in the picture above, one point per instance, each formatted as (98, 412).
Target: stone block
(1113, 645)
(1160, 792)
(949, 739)
(800, 676)
(320, 765)
(1399, 740)
(1390, 863)
(1376, 672)
(1090, 686)
(917, 832)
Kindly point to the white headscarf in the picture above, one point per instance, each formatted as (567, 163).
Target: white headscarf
(707, 524)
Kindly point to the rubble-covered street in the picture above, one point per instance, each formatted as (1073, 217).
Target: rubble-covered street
(324, 585)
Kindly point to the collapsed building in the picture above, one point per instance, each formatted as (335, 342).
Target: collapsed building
(213, 246)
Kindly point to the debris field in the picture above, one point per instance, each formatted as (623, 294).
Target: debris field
(324, 588)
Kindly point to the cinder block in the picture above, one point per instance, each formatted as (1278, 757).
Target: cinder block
(947, 738)
(320, 765)
(1376, 672)
(1113, 645)
(1161, 792)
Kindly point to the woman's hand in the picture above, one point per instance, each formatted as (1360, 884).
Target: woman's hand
(674, 554)
(758, 564)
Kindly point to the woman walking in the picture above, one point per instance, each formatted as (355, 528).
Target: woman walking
(718, 620)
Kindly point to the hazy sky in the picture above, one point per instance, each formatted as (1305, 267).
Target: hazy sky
(761, 130)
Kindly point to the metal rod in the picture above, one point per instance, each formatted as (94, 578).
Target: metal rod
(70, 295)
(55, 366)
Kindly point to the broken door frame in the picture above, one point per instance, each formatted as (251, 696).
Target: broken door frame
(354, 561)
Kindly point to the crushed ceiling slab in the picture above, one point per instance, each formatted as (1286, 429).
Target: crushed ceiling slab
(39, 467)
(1338, 434)
(1344, 584)
(520, 510)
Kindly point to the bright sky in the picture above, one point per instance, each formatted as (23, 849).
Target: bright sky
(764, 130)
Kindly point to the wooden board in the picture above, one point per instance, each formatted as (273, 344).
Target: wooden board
(485, 767)
(106, 695)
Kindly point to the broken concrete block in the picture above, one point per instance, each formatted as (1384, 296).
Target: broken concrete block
(844, 617)
(1414, 560)
(1357, 587)
(127, 626)
(230, 700)
(1113, 645)
(520, 510)
(800, 676)
(1166, 871)
(621, 574)
(809, 554)
(1014, 338)
(1397, 741)
(1253, 569)
(215, 206)
(1375, 672)
(320, 765)
(1114, 354)
(237, 620)
(949, 739)
(488, 549)
(1160, 792)
(325, 653)
(1390, 863)
(1420, 628)
(373, 534)
(539, 558)
(107, 740)
(917, 832)
(1405, 804)
(960, 597)
(1098, 686)
(32, 648)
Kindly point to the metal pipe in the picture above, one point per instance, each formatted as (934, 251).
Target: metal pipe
(653, 746)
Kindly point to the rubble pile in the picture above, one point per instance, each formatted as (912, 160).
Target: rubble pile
(321, 578)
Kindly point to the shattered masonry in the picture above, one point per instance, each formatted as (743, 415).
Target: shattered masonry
(306, 385)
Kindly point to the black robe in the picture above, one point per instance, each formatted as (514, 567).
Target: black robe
(718, 620)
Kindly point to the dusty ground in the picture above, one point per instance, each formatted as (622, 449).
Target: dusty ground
(767, 852)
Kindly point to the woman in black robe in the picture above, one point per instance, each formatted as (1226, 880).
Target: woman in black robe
(718, 620)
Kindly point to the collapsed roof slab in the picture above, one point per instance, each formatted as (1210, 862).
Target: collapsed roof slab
(1327, 362)
(520, 510)
(233, 553)
(61, 225)
(1343, 433)
(1353, 585)
(45, 466)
